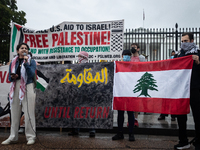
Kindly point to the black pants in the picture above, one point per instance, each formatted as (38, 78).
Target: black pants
(182, 119)
(120, 121)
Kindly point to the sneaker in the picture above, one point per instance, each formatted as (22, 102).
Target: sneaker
(21, 130)
(131, 137)
(92, 134)
(31, 142)
(118, 136)
(136, 124)
(161, 118)
(182, 146)
(8, 141)
(72, 133)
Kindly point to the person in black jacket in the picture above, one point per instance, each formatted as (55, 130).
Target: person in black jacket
(189, 48)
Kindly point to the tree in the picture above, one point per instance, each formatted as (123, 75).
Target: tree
(9, 13)
(146, 82)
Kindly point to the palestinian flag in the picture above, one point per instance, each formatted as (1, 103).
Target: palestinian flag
(42, 81)
(17, 36)
(156, 87)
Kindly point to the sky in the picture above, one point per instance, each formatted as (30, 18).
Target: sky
(43, 14)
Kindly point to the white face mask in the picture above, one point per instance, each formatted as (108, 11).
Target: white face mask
(82, 60)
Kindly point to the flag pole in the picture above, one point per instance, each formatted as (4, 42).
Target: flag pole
(143, 17)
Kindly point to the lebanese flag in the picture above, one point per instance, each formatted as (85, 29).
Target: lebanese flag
(156, 87)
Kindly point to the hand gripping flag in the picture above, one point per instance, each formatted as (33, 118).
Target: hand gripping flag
(156, 87)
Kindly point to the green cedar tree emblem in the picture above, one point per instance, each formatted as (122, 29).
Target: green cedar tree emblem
(146, 82)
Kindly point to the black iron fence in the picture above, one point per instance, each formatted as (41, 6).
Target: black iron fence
(156, 43)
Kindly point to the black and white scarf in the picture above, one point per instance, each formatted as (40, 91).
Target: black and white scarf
(189, 48)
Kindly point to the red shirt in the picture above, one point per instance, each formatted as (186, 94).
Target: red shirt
(135, 59)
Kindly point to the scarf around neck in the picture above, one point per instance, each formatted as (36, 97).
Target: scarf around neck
(189, 48)
(23, 80)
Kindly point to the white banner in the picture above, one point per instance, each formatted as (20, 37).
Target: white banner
(4, 90)
(102, 40)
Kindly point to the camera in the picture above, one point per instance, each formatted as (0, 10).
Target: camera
(133, 50)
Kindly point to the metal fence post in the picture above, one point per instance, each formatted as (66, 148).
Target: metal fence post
(176, 25)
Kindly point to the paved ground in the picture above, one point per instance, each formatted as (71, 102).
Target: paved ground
(151, 135)
(60, 140)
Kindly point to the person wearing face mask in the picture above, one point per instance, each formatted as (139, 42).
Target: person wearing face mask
(22, 95)
(162, 116)
(136, 57)
(126, 56)
(82, 58)
(188, 47)
(172, 54)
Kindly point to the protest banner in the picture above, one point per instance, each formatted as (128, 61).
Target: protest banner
(4, 90)
(75, 95)
(63, 42)
(155, 87)
(80, 95)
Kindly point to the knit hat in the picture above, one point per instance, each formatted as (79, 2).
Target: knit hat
(84, 54)
(126, 52)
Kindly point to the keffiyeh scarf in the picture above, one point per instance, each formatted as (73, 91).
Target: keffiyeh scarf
(189, 48)
(22, 81)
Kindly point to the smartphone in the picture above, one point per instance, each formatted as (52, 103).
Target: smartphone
(12, 73)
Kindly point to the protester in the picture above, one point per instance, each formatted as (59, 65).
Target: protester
(172, 54)
(82, 58)
(146, 56)
(22, 95)
(136, 58)
(188, 47)
(162, 116)
(126, 56)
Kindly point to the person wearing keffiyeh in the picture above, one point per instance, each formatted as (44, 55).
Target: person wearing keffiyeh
(189, 48)
(82, 58)
(22, 95)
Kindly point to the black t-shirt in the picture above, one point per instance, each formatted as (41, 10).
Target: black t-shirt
(19, 69)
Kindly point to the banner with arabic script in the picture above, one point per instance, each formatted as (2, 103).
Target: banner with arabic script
(63, 42)
(75, 95)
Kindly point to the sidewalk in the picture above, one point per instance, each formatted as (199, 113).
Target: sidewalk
(60, 140)
(151, 134)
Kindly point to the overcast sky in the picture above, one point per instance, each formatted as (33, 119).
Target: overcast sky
(42, 14)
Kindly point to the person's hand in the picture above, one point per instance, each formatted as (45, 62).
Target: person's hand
(14, 76)
(26, 58)
(196, 58)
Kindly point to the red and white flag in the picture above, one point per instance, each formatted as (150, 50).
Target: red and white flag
(156, 87)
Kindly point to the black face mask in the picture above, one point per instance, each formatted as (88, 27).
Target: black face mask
(133, 50)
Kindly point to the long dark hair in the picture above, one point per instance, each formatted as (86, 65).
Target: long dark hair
(19, 45)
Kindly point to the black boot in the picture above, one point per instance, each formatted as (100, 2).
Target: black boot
(131, 137)
(118, 136)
